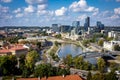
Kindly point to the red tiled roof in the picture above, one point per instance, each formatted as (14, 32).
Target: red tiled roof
(68, 77)
(12, 48)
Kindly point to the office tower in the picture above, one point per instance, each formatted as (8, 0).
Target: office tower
(87, 23)
(76, 25)
(55, 27)
(100, 25)
(65, 28)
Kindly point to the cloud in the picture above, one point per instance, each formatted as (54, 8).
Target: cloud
(6, 1)
(42, 7)
(36, 1)
(82, 17)
(117, 10)
(81, 6)
(61, 12)
(29, 9)
(18, 10)
(118, 0)
(4, 9)
(19, 15)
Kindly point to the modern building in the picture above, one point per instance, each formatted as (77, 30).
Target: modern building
(100, 25)
(65, 28)
(76, 25)
(87, 23)
(55, 28)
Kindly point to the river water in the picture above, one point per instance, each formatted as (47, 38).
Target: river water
(74, 51)
(69, 49)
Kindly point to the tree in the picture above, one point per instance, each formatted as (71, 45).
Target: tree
(43, 70)
(99, 76)
(8, 64)
(100, 42)
(38, 44)
(78, 62)
(101, 64)
(116, 47)
(89, 76)
(31, 58)
(111, 76)
(68, 60)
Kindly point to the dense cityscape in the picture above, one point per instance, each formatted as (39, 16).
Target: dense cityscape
(67, 50)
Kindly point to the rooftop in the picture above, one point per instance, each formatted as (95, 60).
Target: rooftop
(68, 77)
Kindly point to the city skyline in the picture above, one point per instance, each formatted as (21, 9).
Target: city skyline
(47, 12)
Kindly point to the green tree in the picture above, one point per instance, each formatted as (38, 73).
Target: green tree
(68, 60)
(78, 62)
(116, 47)
(89, 76)
(101, 64)
(100, 42)
(8, 64)
(98, 76)
(43, 70)
(31, 58)
(111, 76)
(38, 45)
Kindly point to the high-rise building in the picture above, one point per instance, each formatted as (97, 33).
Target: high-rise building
(87, 23)
(65, 28)
(76, 25)
(55, 28)
(100, 26)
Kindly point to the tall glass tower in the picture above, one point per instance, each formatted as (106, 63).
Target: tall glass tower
(87, 23)
(76, 25)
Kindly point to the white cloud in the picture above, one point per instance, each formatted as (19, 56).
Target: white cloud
(36, 1)
(118, 0)
(41, 12)
(117, 10)
(29, 9)
(61, 12)
(6, 1)
(17, 10)
(81, 6)
(19, 15)
(82, 17)
(42, 7)
(4, 9)
(114, 17)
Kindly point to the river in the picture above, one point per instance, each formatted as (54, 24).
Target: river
(69, 49)
(74, 50)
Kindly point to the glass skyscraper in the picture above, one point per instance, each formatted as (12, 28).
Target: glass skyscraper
(87, 23)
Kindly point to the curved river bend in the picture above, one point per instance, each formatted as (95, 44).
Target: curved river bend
(74, 51)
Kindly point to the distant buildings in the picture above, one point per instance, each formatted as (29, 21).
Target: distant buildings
(87, 23)
(13, 50)
(55, 28)
(100, 25)
(76, 25)
(65, 28)
(110, 45)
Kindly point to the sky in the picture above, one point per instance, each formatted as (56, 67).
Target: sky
(64, 12)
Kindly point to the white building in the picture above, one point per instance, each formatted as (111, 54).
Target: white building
(112, 34)
(110, 45)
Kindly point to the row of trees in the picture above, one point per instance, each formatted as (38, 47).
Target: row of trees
(79, 63)
(102, 76)
(46, 70)
(9, 64)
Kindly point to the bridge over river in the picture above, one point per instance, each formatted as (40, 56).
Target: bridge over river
(95, 54)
